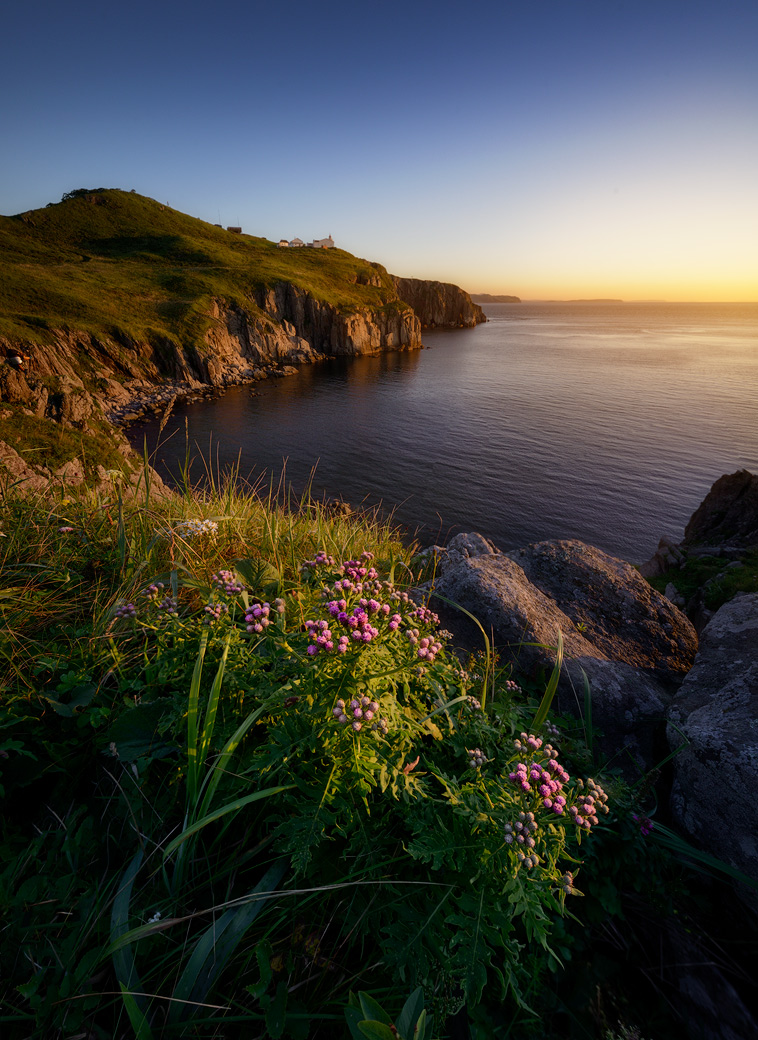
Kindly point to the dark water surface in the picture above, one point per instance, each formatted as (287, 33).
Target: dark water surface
(604, 422)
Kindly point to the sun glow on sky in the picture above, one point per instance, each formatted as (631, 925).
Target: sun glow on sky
(561, 148)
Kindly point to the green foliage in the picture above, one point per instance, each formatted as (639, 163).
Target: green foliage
(215, 816)
(714, 576)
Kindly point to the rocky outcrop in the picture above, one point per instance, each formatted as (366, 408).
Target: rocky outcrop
(331, 332)
(439, 304)
(631, 643)
(728, 515)
(122, 374)
(712, 720)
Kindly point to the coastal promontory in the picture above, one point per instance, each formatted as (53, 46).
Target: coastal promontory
(111, 302)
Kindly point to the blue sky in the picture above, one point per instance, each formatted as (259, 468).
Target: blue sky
(551, 148)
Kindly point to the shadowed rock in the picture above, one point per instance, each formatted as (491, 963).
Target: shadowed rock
(728, 515)
(715, 711)
(631, 642)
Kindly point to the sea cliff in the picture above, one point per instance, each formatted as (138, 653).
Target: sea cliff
(439, 304)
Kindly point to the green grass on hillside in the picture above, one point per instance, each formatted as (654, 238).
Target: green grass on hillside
(41, 442)
(117, 260)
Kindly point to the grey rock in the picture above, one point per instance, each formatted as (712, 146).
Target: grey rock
(617, 610)
(728, 515)
(716, 712)
(629, 641)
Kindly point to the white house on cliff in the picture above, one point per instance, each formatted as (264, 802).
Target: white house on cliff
(297, 243)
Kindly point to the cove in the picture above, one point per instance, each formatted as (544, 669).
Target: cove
(602, 422)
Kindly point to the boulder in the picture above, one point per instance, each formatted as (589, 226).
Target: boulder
(728, 515)
(714, 716)
(631, 643)
(610, 602)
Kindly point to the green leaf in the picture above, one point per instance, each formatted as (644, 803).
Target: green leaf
(217, 944)
(372, 1009)
(276, 1016)
(406, 1021)
(376, 1030)
(135, 733)
(123, 958)
(547, 699)
(140, 1024)
(354, 1016)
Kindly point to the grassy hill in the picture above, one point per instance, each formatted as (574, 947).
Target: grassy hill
(109, 260)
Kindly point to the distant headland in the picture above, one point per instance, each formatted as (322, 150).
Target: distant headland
(487, 298)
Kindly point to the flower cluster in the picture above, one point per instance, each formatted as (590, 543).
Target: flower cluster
(257, 617)
(228, 583)
(321, 634)
(167, 605)
(358, 624)
(213, 611)
(357, 570)
(567, 883)
(356, 711)
(544, 779)
(521, 834)
(476, 757)
(425, 616)
(189, 529)
(472, 704)
(126, 610)
(321, 559)
(426, 647)
(552, 731)
(589, 804)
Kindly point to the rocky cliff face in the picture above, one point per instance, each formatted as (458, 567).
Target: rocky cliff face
(439, 304)
(330, 332)
(77, 373)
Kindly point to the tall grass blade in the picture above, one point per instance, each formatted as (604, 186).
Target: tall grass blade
(485, 637)
(238, 803)
(209, 720)
(192, 723)
(123, 959)
(588, 735)
(216, 946)
(214, 775)
(547, 699)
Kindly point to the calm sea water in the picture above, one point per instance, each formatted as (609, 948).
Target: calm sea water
(603, 422)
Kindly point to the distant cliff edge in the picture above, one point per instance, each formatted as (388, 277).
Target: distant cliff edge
(486, 298)
(439, 304)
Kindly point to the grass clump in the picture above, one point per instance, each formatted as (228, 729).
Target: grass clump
(714, 577)
(246, 776)
(47, 444)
